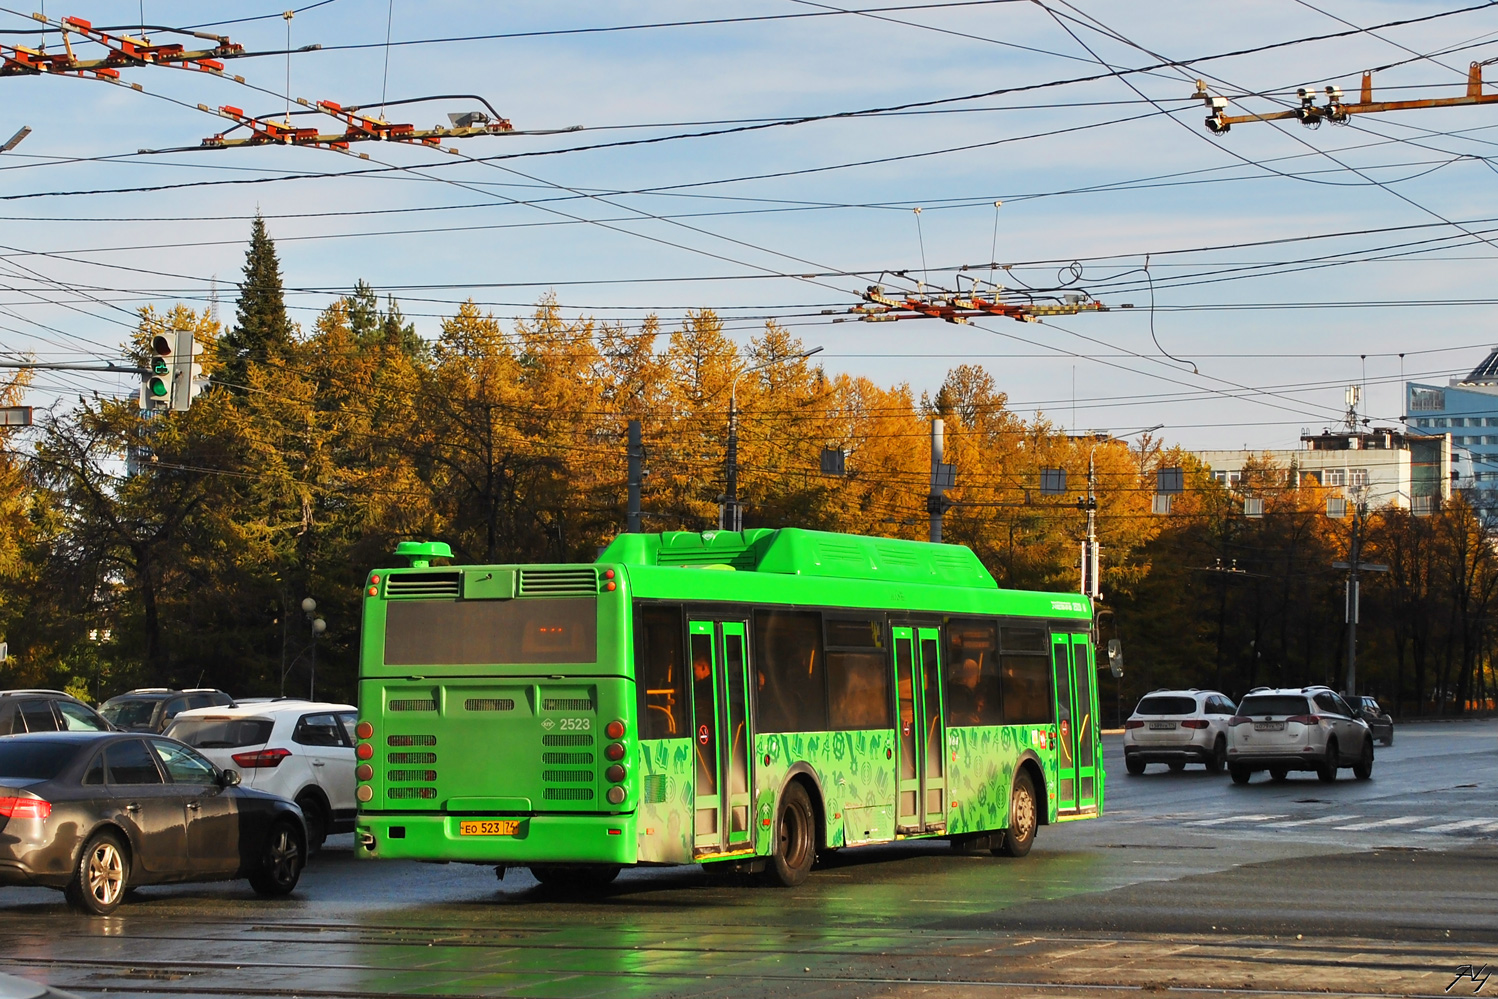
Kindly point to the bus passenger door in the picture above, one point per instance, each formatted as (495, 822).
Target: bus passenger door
(721, 736)
(708, 825)
(907, 735)
(738, 758)
(1085, 722)
(1066, 735)
(933, 737)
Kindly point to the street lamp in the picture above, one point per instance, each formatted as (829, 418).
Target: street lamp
(730, 514)
(318, 625)
(1090, 585)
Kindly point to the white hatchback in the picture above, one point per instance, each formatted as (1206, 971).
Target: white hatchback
(1305, 728)
(1177, 727)
(302, 750)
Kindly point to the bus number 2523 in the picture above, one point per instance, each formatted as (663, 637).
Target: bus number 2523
(576, 724)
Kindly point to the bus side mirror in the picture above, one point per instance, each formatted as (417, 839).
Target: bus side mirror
(1115, 658)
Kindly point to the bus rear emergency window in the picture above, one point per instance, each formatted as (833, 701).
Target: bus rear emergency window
(491, 632)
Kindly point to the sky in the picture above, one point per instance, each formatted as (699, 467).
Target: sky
(1249, 278)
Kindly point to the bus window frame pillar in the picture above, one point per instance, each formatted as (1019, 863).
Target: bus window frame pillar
(730, 513)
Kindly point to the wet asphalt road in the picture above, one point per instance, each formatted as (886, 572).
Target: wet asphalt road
(1189, 884)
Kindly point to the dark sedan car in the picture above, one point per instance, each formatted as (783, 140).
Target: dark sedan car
(1379, 721)
(98, 813)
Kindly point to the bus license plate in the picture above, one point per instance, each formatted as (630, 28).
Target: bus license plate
(497, 827)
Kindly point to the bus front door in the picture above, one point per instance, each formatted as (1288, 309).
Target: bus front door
(720, 739)
(921, 773)
(1066, 734)
(1085, 722)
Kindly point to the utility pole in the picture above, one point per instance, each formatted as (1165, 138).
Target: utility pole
(730, 514)
(943, 477)
(636, 455)
(1355, 568)
(1090, 553)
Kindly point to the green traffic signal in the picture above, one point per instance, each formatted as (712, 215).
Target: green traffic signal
(159, 387)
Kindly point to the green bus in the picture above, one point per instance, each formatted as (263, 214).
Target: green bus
(747, 698)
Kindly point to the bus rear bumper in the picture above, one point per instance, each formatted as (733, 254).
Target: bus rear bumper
(551, 839)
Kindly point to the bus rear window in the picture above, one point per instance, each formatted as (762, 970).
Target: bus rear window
(491, 632)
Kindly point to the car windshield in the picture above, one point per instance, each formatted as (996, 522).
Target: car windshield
(27, 759)
(1166, 705)
(1273, 704)
(221, 733)
(129, 714)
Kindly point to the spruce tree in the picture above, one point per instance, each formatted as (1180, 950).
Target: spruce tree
(261, 332)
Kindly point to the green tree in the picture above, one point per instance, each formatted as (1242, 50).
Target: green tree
(262, 333)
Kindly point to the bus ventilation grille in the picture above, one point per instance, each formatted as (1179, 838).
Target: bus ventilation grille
(413, 792)
(424, 584)
(414, 704)
(567, 759)
(655, 788)
(567, 776)
(489, 704)
(409, 758)
(558, 582)
(566, 740)
(567, 704)
(411, 740)
(409, 776)
(566, 793)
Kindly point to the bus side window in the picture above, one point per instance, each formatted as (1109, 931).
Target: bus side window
(661, 674)
(974, 691)
(857, 673)
(790, 671)
(1027, 676)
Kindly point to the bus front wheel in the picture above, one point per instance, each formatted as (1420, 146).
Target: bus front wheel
(795, 846)
(1024, 817)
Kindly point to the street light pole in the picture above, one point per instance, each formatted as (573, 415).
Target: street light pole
(730, 514)
(318, 625)
(1091, 554)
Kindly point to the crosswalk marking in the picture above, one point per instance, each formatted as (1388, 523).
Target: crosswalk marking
(1312, 822)
(1234, 818)
(1459, 824)
(1398, 820)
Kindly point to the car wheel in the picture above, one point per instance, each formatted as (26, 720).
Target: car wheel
(1363, 768)
(101, 876)
(1389, 739)
(1024, 818)
(795, 846)
(1219, 757)
(316, 818)
(1135, 767)
(1278, 773)
(1176, 766)
(1240, 775)
(281, 860)
(575, 877)
(1327, 771)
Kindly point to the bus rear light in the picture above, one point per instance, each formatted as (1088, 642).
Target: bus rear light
(25, 808)
(615, 729)
(616, 832)
(1305, 719)
(364, 751)
(262, 759)
(364, 730)
(1239, 720)
(614, 751)
(608, 574)
(615, 795)
(374, 591)
(364, 772)
(364, 793)
(1133, 723)
(1195, 723)
(610, 586)
(616, 773)
(374, 580)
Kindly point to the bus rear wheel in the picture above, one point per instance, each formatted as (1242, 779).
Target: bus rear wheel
(795, 847)
(1024, 817)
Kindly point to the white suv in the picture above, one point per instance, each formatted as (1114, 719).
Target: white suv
(1309, 728)
(1178, 727)
(302, 750)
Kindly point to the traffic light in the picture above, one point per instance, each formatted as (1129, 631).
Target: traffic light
(157, 390)
(187, 373)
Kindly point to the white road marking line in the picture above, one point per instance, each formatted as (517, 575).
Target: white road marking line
(1399, 820)
(1312, 822)
(1453, 826)
(1490, 827)
(1234, 818)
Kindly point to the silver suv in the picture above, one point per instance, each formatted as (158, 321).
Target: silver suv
(1309, 728)
(1178, 727)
